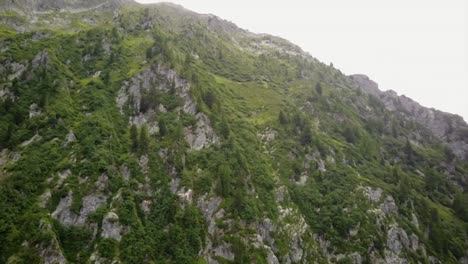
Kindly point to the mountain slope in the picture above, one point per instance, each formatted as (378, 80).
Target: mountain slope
(151, 134)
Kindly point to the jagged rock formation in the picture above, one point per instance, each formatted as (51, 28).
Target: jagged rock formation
(449, 128)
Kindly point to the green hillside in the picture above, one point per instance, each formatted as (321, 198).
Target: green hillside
(137, 133)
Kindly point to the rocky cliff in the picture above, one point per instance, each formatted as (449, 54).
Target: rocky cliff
(449, 128)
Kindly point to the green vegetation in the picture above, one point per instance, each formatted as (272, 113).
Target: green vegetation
(282, 119)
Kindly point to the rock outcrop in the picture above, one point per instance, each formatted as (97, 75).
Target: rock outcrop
(90, 203)
(202, 135)
(449, 128)
(159, 78)
(111, 226)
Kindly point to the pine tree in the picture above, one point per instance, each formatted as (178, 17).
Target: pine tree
(409, 152)
(404, 189)
(209, 98)
(162, 128)
(224, 183)
(282, 118)
(460, 205)
(318, 88)
(144, 140)
(134, 138)
(306, 137)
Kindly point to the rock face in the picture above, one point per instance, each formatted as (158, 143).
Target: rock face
(397, 239)
(203, 135)
(89, 205)
(374, 194)
(41, 59)
(52, 254)
(449, 128)
(111, 226)
(366, 84)
(70, 137)
(35, 138)
(389, 205)
(159, 78)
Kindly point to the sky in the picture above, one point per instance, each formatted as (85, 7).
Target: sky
(418, 48)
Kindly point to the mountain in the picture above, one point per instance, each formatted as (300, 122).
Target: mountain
(51, 6)
(135, 133)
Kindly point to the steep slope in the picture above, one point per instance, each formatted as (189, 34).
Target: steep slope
(152, 134)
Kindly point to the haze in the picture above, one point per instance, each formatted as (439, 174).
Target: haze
(418, 48)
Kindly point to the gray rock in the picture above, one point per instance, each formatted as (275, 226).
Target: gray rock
(296, 251)
(6, 93)
(174, 186)
(41, 60)
(185, 195)
(143, 162)
(96, 74)
(366, 84)
(397, 239)
(160, 78)
(102, 182)
(280, 193)
(271, 258)
(162, 109)
(70, 137)
(62, 213)
(264, 229)
(4, 157)
(111, 226)
(302, 179)
(146, 206)
(389, 206)
(35, 138)
(414, 220)
(224, 251)
(125, 172)
(355, 230)
(356, 258)
(90, 203)
(52, 254)
(374, 194)
(267, 135)
(44, 198)
(414, 242)
(442, 125)
(16, 70)
(63, 175)
(203, 136)
(434, 260)
(321, 165)
(463, 260)
(208, 208)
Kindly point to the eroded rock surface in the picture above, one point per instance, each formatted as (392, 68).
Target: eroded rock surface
(111, 226)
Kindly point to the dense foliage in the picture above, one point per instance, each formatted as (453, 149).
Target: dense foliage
(313, 110)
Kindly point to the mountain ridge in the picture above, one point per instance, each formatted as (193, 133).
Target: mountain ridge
(48, 6)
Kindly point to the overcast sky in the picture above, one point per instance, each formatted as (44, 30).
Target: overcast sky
(418, 48)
